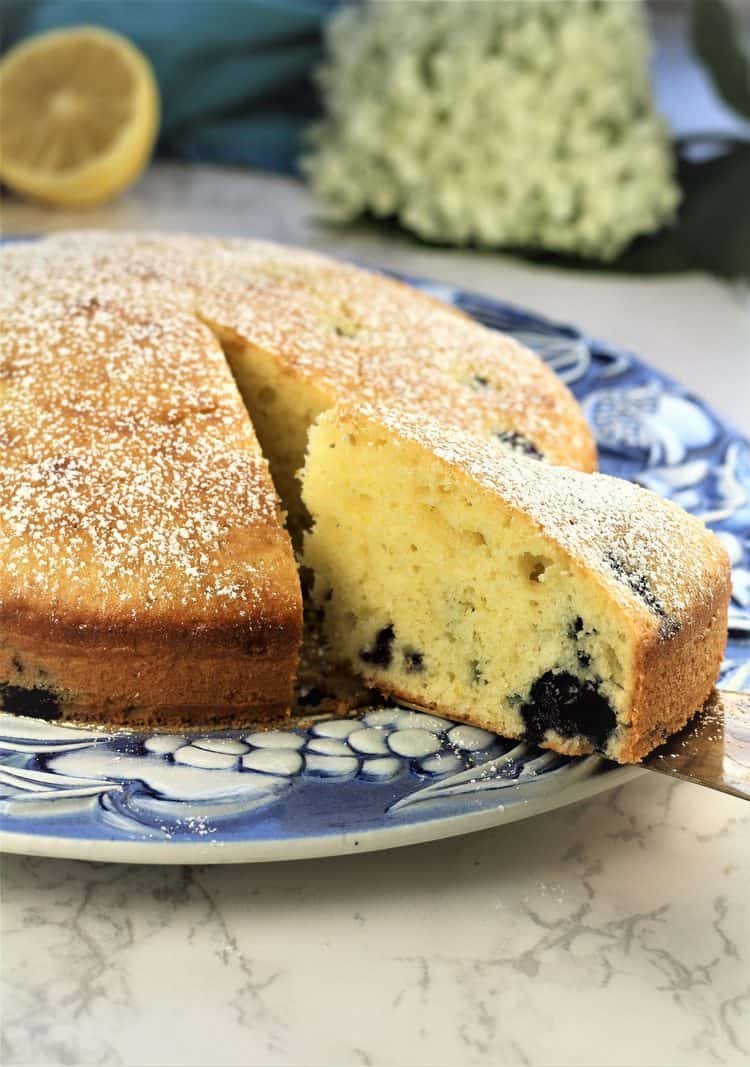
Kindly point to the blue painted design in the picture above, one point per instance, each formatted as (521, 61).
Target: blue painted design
(166, 787)
(390, 767)
(645, 420)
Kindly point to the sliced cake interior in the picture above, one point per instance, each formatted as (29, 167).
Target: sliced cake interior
(577, 611)
(283, 405)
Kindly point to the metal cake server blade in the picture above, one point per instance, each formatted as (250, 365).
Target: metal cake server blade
(713, 749)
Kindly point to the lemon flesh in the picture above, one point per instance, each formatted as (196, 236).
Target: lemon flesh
(79, 114)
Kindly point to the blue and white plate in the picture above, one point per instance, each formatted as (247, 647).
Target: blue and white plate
(392, 776)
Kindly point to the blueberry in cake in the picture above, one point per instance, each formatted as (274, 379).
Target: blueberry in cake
(575, 610)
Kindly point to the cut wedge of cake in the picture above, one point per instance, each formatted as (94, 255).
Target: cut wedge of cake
(578, 611)
(145, 573)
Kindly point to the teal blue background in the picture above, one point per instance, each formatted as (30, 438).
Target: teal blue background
(235, 75)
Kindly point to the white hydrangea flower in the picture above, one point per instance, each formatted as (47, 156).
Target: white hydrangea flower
(504, 123)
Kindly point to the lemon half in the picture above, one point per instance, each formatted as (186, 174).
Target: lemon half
(79, 114)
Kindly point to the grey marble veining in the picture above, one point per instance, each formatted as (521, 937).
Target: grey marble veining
(613, 932)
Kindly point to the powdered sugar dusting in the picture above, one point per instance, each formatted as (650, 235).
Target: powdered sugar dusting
(362, 335)
(351, 332)
(130, 480)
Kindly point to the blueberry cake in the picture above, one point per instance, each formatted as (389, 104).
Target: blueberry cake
(146, 574)
(574, 610)
(156, 398)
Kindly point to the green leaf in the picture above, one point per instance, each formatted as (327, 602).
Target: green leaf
(716, 40)
(714, 228)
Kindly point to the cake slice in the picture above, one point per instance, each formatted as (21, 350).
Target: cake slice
(146, 577)
(575, 610)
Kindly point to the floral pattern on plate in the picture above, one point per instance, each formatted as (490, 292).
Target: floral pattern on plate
(389, 768)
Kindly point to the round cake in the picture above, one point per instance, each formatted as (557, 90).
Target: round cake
(180, 418)
(147, 385)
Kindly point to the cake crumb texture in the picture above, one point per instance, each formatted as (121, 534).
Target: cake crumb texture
(574, 610)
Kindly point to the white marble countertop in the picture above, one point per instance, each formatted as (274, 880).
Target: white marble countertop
(616, 931)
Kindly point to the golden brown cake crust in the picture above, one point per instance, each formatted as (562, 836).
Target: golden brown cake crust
(371, 339)
(676, 676)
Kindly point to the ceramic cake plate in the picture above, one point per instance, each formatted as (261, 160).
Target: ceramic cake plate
(392, 776)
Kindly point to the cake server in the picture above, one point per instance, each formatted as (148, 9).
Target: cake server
(713, 749)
